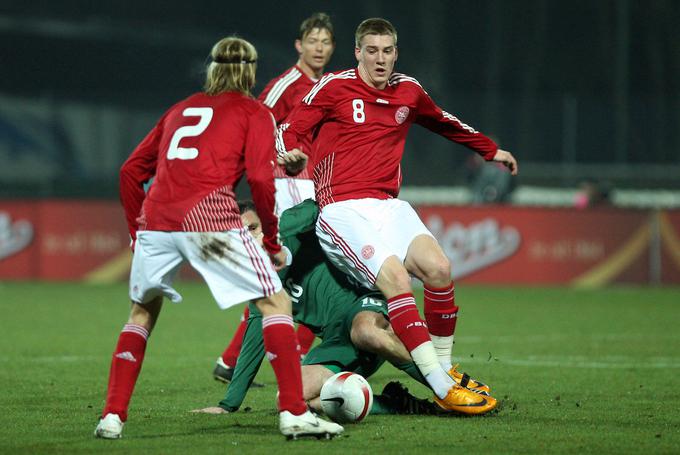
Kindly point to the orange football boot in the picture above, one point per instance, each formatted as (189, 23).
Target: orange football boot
(464, 380)
(465, 401)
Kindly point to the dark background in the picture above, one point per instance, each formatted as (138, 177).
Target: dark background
(576, 89)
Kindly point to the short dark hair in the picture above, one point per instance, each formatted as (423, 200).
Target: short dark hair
(316, 20)
(246, 204)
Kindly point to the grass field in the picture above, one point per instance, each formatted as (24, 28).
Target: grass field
(577, 371)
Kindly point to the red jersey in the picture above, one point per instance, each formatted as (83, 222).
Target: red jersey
(281, 95)
(362, 131)
(197, 153)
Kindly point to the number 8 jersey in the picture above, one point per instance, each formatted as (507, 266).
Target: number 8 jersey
(360, 133)
(197, 153)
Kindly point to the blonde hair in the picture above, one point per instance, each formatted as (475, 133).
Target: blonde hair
(374, 26)
(233, 66)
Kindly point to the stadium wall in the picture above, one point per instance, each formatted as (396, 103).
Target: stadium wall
(88, 241)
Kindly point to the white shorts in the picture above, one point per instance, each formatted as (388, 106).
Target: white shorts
(360, 234)
(290, 192)
(233, 265)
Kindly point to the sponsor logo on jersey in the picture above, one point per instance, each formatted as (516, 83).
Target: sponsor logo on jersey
(367, 251)
(401, 115)
(382, 101)
(14, 237)
(474, 247)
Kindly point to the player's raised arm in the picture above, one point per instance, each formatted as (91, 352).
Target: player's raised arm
(138, 169)
(260, 174)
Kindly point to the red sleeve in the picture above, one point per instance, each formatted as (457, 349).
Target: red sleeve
(435, 119)
(304, 117)
(281, 107)
(138, 169)
(259, 161)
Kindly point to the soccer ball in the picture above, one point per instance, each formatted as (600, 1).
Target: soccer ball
(346, 397)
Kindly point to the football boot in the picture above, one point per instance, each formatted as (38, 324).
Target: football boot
(307, 424)
(464, 380)
(109, 427)
(465, 401)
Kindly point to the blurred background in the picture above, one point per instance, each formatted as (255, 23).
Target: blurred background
(585, 93)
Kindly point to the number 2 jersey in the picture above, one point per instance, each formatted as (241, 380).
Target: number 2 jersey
(359, 143)
(197, 153)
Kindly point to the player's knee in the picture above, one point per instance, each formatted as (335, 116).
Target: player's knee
(393, 278)
(313, 377)
(438, 272)
(365, 333)
(278, 303)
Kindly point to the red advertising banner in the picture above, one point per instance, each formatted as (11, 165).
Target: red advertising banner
(87, 240)
(513, 245)
(62, 240)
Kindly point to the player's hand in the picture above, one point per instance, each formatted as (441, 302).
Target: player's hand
(294, 161)
(210, 410)
(508, 160)
(279, 259)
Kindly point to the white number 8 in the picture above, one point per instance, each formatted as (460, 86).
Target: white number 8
(177, 152)
(358, 115)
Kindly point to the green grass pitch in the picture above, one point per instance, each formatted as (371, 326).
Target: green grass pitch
(577, 372)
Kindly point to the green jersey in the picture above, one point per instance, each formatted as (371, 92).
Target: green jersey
(323, 298)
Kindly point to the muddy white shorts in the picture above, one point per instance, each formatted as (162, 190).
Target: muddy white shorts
(358, 235)
(290, 192)
(233, 265)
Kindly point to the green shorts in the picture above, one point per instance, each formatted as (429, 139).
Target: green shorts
(336, 351)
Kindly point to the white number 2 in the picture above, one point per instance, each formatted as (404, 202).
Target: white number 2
(177, 152)
(358, 115)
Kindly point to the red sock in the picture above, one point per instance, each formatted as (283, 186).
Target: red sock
(230, 354)
(305, 338)
(441, 312)
(125, 367)
(284, 355)
(406, 321)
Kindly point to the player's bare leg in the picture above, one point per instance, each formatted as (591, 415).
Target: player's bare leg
(281, 347)
(395, 283)
(371, 332)
(426, 260)
(125, 367)
(313, 378)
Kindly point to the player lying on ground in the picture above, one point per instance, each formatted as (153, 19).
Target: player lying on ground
(350, 320)
(198, 151)
(361, 117)
(314, 45)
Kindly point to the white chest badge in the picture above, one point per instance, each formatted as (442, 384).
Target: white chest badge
(402, 114)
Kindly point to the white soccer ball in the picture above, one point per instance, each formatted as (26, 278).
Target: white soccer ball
(346, 397)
